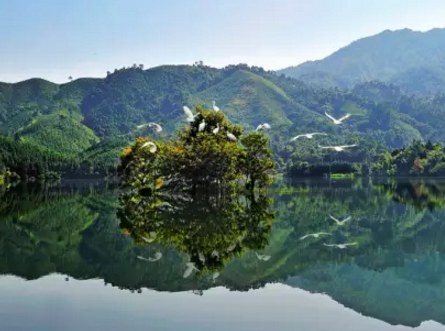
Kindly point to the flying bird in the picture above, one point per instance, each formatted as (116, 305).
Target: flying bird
(190, 268)
(264, 126)
(215, 108)
(262, 257)
(216, 130)
(343, 222)
(337, 121)
(338, 148)
(231, 136)
(341, 246)
(153, 147)
(308, 135)
(202, 126)
(156, 126)
(315, 235)
(189, 114)
(157, 256)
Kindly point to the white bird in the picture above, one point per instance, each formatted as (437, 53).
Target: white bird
(156, 126)
(215, 108)
(215, 253)
(337, 121)
(202, 126)
(264, 126)
(215, 275)
(343, 222)
(315, 235)
(190, 268)
(341, 246)
(189, 114)
(216, 130)
(151, 238)
(308, 135)
(153, 147)
(158, 256)
(262, 257)
(202, 257)
(231, 247)
(338, 148)
(231, 136)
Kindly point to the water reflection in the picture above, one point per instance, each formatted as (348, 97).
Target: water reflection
(395, 271)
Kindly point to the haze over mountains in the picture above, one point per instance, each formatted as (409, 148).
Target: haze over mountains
(411, 59)
(93, 119)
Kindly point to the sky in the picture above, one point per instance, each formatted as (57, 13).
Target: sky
(55, 39)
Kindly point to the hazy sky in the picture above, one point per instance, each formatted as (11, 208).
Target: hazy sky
(54, 39)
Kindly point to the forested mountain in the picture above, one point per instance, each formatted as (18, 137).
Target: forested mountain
(86, 123)
(411, 59)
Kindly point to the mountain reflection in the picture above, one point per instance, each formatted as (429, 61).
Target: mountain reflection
(395, 272)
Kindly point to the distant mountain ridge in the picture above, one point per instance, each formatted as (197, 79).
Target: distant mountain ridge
(411, 59)
(92, 120)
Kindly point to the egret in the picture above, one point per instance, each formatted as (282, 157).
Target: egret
(262, 257)
(202, 126)
(337, 121)
(215, 253)
(341, 246)
(214, 276)
(338, 148)
(190, 268)
(264, 126)
(157, 256)
(152, 237)
(341, 223)
(153, 147)
(231, 136)
(156, 126)
(308, 135)
(189, 114)
(315, 235)
(215, 108)
(202, 257)
(231, 247)
(216, 130)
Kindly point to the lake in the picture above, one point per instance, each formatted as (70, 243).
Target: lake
(86, 256)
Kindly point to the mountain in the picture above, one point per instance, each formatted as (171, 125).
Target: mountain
(86, 123)
(411, 59)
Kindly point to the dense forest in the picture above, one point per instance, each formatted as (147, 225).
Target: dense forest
(83, 126)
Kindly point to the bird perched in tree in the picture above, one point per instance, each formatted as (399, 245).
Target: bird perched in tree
(231, 136)
(202, 126)
(216, 130)
(153, 147)
(215, 108)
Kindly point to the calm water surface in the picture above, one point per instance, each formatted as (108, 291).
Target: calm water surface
(84, 256)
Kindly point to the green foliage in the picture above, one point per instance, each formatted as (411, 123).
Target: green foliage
(200, 157)
(418, 159)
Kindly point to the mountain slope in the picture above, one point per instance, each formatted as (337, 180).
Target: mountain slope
(414, 60)
(91, 120)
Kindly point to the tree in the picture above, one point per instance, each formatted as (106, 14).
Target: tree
(199, 157)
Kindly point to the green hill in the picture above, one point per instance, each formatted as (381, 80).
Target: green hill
(411, 59)
(92, 120)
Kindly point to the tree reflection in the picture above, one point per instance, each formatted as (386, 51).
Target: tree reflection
(211, 224)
